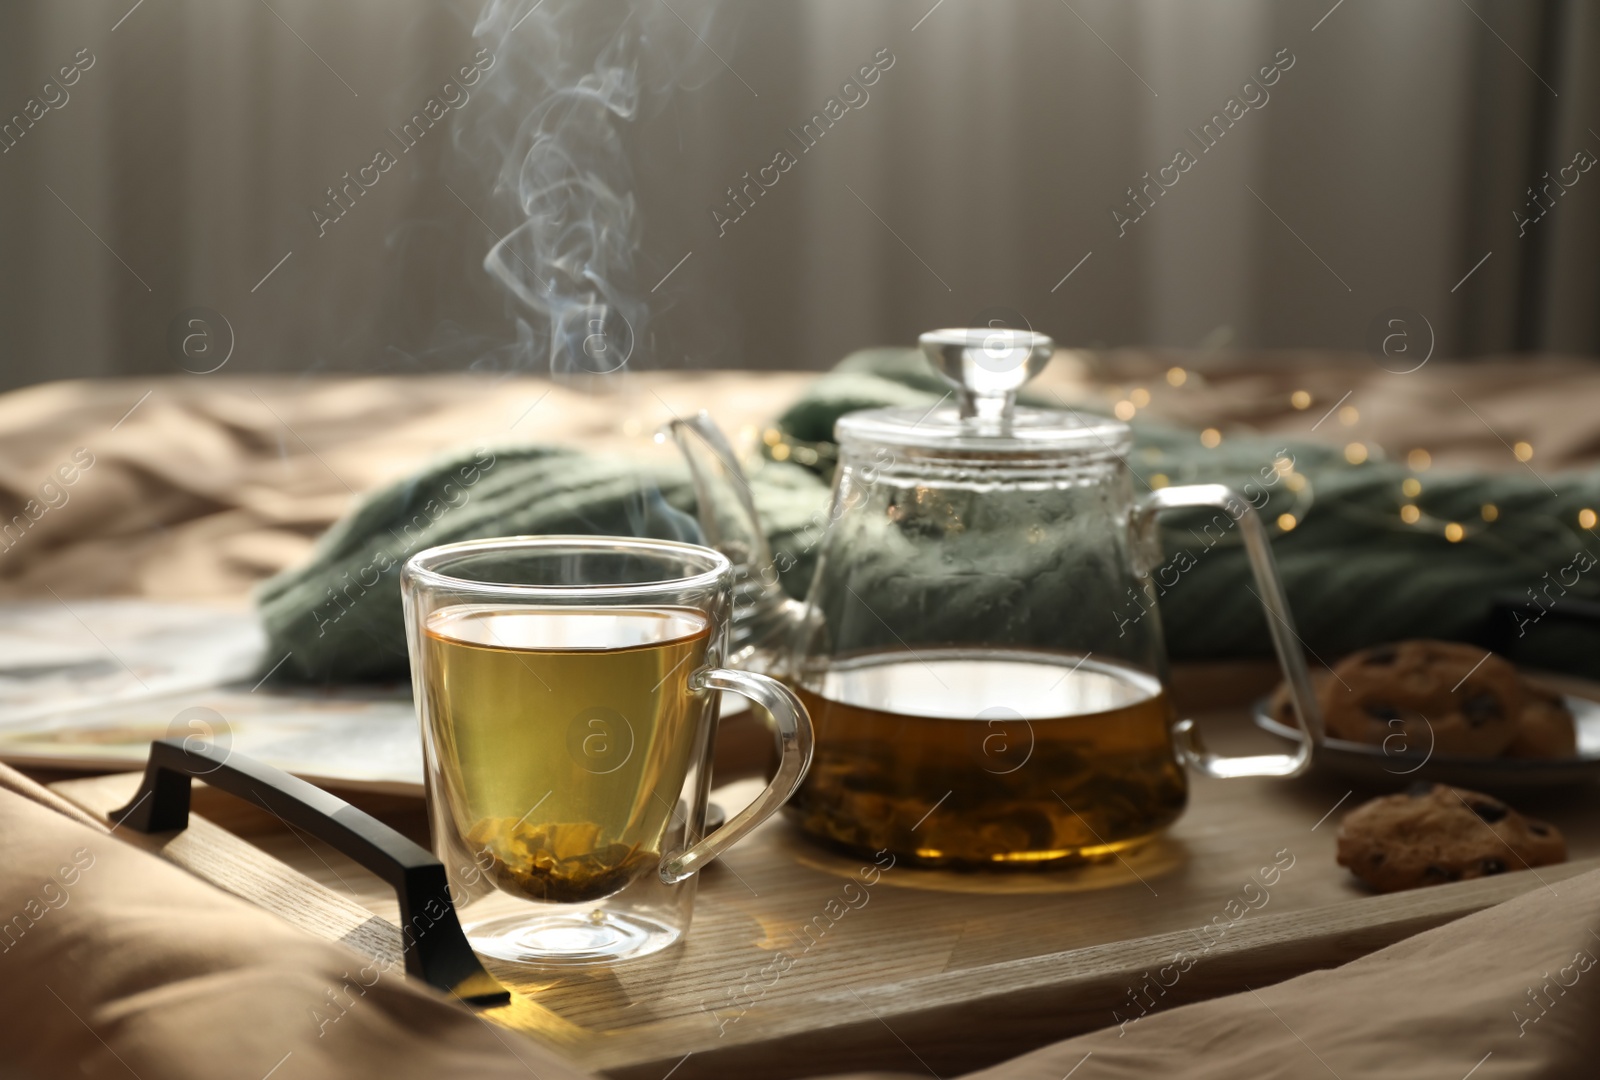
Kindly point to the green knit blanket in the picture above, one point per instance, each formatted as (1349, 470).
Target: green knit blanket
(1357, 571)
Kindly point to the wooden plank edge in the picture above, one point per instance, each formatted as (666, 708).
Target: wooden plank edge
(957, 1021)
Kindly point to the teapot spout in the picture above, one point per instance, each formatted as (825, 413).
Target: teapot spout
(763, 616)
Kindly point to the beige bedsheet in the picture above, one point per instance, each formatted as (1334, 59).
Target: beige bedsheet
(201, 486)
(196, 488)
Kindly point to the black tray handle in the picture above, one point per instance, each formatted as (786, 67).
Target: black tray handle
(437, 952)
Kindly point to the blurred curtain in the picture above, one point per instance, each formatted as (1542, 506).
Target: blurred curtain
(186, 163)
(1386, 165)
(1536, 104)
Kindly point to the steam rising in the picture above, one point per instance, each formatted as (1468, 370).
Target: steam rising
(576, 74)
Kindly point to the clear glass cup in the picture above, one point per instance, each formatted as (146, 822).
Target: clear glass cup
(567, 689)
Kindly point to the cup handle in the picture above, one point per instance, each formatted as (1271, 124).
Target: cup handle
(793, 727)
(1285, 641)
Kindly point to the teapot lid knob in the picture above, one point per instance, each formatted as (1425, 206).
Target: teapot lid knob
(987, 365)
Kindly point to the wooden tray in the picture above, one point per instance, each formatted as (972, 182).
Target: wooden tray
(791, 970)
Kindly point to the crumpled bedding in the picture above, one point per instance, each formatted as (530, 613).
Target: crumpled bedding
(199, 487)
(1507, 992)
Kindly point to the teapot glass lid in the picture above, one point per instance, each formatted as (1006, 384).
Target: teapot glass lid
(980, 416)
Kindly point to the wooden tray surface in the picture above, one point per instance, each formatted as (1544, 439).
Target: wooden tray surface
(786, 972)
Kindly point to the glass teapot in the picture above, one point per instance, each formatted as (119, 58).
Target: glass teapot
(977, 701)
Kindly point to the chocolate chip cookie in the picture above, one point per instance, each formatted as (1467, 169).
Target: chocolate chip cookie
(1545, 727)
(1414, 697)
(1434, 834)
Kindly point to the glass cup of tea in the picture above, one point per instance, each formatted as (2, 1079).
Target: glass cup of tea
(567, 688)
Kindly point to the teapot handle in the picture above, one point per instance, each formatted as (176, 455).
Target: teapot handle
(1285, 641)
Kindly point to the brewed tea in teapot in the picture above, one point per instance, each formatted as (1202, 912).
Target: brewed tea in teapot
(923, 756)
(977, 698)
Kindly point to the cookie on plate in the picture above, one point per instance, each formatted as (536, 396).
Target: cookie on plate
(1417, 696)
(1545, 727)
(1434, 834)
